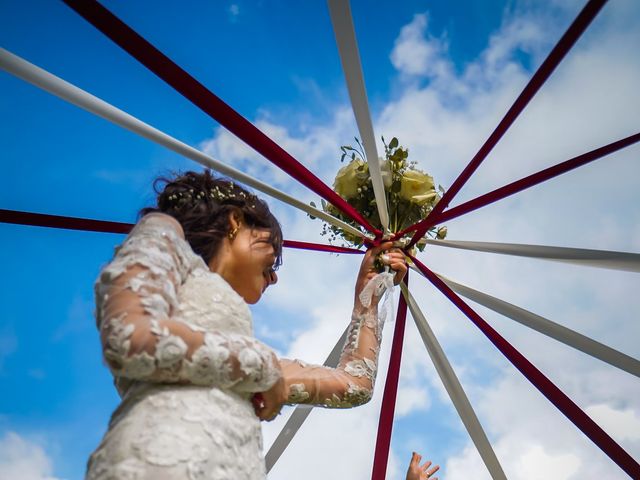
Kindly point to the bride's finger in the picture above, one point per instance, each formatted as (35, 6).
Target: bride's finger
(392, 257)
(398, 266)
(432, 470)
(269, 412)
(400, 270)
(380, 248)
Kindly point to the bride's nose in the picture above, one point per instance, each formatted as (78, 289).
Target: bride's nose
(273, 277)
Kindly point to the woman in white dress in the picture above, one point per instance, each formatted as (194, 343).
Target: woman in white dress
(177, 336)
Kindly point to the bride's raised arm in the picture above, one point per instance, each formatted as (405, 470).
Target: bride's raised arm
(351, 382)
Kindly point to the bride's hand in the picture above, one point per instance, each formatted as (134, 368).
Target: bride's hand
(267, 405)
(394, 257)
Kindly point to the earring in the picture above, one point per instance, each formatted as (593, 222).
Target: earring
(233, 233)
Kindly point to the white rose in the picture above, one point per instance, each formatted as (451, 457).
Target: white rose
(417, 187)
(387, 177)
(349, 178)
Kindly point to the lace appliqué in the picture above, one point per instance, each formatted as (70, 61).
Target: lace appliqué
(354, 396)
(376, 287)
(138, 293)
(361, 368)
(351, 383)
(298, 393)
(165, 445)
(381, 284)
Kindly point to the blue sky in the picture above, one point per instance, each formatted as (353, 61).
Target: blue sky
(277, 64)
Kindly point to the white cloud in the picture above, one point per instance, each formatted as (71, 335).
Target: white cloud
(533, 462)
(23, 459)
(536, 463)
(589, 101)
(623, 424)
(317, 148)
(234, 12)
(411, 399)
(415, 54)
(458, 467)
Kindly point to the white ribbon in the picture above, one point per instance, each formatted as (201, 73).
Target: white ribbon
(72, 94)
(344, 30)
(454, 389)
(626, 261)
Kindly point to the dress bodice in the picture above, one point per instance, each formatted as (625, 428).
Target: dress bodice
(206, 302)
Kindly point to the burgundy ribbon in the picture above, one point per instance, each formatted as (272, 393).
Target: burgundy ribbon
(385, 423)
(533, 179)
(319, 247)
(580, 419)
(57, 221)
(152, 58)
(73, 223)
(556, 55)
(162, 66)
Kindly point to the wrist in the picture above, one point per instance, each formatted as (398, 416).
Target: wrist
(372, 299)
(359, 308)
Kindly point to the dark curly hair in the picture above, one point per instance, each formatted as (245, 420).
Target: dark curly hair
(202, 204)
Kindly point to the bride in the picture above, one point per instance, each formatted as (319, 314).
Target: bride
(177, 336)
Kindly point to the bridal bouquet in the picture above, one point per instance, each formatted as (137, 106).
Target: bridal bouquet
(410, 193)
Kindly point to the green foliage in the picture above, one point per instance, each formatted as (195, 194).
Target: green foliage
(410, 193)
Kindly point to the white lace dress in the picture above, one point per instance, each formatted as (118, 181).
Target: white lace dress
(179, 342)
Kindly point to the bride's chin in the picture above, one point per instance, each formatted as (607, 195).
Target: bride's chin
(253, 301)
(253, 297)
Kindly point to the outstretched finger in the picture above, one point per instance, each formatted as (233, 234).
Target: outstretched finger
(426, 465)
(432, 470)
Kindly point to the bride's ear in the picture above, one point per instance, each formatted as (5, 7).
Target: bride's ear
(235, 220)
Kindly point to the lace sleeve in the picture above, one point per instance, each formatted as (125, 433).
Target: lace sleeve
(136, 295)
(349, 384)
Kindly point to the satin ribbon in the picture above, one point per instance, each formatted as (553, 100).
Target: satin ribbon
(556, 396)
(526, 182)
(342, 20)
(86, 224)
(385, 423)
(152, 58)
(570, 37)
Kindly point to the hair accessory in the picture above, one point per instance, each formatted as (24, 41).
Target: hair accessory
(192, 197)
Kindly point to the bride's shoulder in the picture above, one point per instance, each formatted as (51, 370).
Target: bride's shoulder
(161, 221)
(162, 230)
(157, 234)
